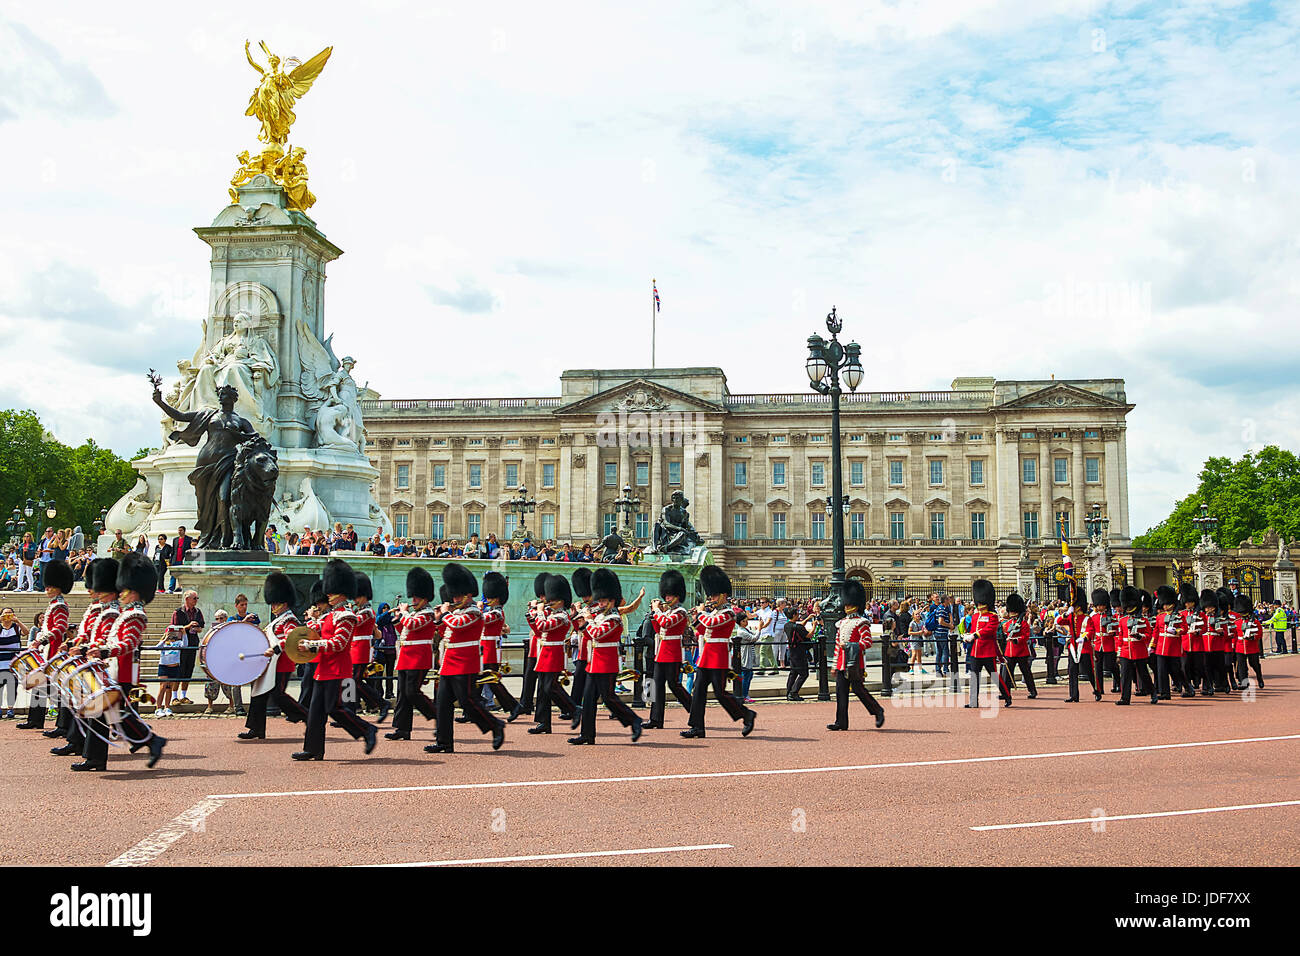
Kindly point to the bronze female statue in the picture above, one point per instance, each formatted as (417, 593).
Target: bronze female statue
(215, 465)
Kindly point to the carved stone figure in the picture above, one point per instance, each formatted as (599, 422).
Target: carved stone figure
(673, 533)
(244, 360)
(611, 545)
(304, 509)
(214, 470)
(326, 380)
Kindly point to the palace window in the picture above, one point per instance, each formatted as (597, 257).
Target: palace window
(440, 476)
(741, 474)
(1031, 524)
(512, 441)
(512, 476)
(896, 525)
(979, 562)
(857, 525)
(936, 525)
(895, 472)
(1092, 433)
(778, 473)
(403, 443)
(977, 471)
(1060, 470)
(609, 522)
(642, 473)
(1029, 434)
(819, 527)
(403, 476)
(1060, 435)
(1063, 523)
(856, 472)
(937, 563)
(473, 524)
(401, 524)
(1092, 469)
(611, 475)
(895, 436)
(740, 526)
(816, 439)
(548, 475)
(975, 436)
(977, 525)
(642, 525)
(778, 525)
(548, 526)
(437, 526)
(674, 473)
(508, 525)
(818, 473)
(1029, 470)
(936, 471)
(778, 563)
(476, 476)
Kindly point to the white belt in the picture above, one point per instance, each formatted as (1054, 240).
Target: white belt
(551, 643)
(670, 637)
(361, 640)
(604, 643)
(414, 643)
(716, 640)
(463, 644)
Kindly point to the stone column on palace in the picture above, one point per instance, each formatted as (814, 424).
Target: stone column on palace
(1097, 560)
(690, 452)
(918, 483)
(566, 486)
(877, 514)
(656, 501)
(717, 485)
(1116, 488)
(456, 491)
(384, 484)
(1008, 478)
(590, 459)
(759, 476)
(1077, 483)
(957, 472)
(800, 522)
(420, 486)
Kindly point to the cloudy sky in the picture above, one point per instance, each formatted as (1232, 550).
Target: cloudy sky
(1017, 188)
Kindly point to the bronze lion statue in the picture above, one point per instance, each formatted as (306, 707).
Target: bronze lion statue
(252, 493)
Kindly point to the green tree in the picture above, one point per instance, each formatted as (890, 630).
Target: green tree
(81, 480)
(1248, 496)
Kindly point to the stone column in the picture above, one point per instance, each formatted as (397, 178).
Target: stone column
(590, 458)
(565, 486)
(1115, 488)
(624, 463)
(456, 491)
(759, 475)
(1008, 479)
(957, 473)
(656, 502)
(420, 486)
(877, 515)
(800, 523)
(1077, 483)
(718, 480)
(493, 480)
(1207, 561)
(385, 466)
(1284, 581)
(918, 483)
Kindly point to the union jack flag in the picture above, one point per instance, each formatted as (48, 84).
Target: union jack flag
(656, 292)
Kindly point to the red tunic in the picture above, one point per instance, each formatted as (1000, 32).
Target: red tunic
(851, 630)
(281, 626)
(494, 622)
(604, 635)
(670, 626)
(120, 634)
(55, 623)
(1134, 633)
(984, 627)
(362, 634)
(577, 616)
(1169, 644)
(1195, 627)
(715, 627)
(1017, 632)
(531, 615)
(86, 627)
(417, 632)
(1092, 633)
(1248, 636)
(334, 659)
(1220, 631)
(551, 629)
(104, 621)
(462, 654)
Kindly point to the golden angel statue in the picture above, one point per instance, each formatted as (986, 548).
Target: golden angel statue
(275, 95)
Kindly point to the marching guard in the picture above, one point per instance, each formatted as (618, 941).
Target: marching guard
(496, 592)
(1085, 648)
(1132, 642)
(118, 635)
(717, 619)
(1249, 638)
(1016, 633)
(582, 610)
(604, 635)
(461, 664)
(333, 664)
(57, 578)
(852, 641)
(535, 606)
(1170, 643)
(670, 619)
(553, 623)
(1197, 624)
(418, 626)
(984, 652)
(279, 593)
(101, 582)
(363, 648)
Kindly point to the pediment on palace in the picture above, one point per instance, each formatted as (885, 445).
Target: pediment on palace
(1061, 395)
(639, 395)
(897, 501)
(937, 500)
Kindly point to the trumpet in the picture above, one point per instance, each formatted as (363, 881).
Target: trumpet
(564, 678)
(487, 677)
(629, 674)
(688, 668)
(374, 669)
(503, 668)
(140, 695)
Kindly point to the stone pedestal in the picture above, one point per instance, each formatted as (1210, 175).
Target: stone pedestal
(1025, 581)
(1207, 562)
(1284, 583)
(1097, 568)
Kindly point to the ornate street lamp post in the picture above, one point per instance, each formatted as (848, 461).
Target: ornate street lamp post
(523, 506)
(826, 363)
(1207, 524)
(1097, 524)
(626, 506)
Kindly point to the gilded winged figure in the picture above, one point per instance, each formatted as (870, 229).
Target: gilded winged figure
(272, 101)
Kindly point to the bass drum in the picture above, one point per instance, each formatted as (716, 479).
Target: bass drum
(233, 653)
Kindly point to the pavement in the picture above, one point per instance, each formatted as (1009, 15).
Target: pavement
(1204, 782)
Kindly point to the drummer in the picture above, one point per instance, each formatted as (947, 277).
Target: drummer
(362, 650)
(101, 582)
(57, 578)
(119, 636)
(319, 606)
(279, 592)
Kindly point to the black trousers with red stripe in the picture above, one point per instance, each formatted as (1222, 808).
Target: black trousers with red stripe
(715, 677)
(1171, 669)
(1023, 664)
(1253, 661)
(530, 684)
(453, 688)
(1084, 666)
(668, 677)
(851, 680)
(326, 704)
(989, 664)
(96, 747)
(601, 687)
(410, 698)
(1133, 671)
(290, 708)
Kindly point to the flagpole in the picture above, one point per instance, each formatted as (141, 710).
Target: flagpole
(653, 318)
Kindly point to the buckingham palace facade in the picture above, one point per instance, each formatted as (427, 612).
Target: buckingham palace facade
(942, 486)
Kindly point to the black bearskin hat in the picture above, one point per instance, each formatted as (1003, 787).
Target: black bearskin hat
(582, 583)
(855, 595)
(317, 595)
(364, 588)
(1147, 601)
(1166, 595)
(278, 589)
(557, 589)
(444, 594)
(137, 573)
(1223, 598)
(1015, 603)
(982, 593)
(672, 584)
(1243, 606)
(1080, 599)
(459, 580)
(714, 580)
(419, 584)
(1101, 597)
(605, 585)
(104, 580)
(1209, 600)
(57, 574)
(1116, 599)
(496, 585)
(339, 578)
(539, 585)
(1129, 597)
(1187, 594)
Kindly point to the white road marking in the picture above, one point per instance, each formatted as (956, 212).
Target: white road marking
(158, 842)
(1138, 816)
(560, 856)
(496, 785)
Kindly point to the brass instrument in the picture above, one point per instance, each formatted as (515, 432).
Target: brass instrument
(629, 674)
(563, 678)
(140, 695)
(487, 677)
(374, 669)
(293, 644)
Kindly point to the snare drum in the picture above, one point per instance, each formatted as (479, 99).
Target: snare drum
(29, 668)
(232, 653)
(92, 691)
(60, 670)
